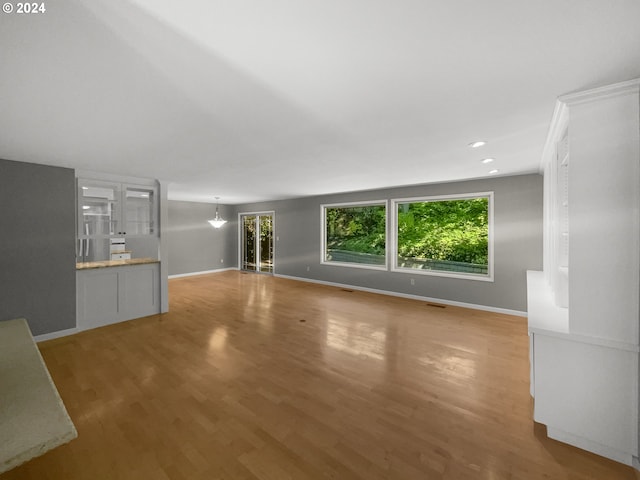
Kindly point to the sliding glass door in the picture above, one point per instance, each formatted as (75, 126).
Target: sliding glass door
(257, 242)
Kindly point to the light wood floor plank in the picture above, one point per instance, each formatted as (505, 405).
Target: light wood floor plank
(252, 377)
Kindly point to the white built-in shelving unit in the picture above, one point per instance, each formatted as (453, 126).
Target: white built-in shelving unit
(584, 308)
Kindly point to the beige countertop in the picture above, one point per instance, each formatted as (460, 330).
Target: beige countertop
(115, 263)
(33, 418)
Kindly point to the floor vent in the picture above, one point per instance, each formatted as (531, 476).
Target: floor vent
(302, 320)
(346, 290)
(436, 305)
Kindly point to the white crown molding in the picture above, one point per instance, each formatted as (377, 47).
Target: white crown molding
(109, 177)
(559, 122)
(560, 118)
(599, 93)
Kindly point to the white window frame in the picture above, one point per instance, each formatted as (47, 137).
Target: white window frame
(393, 244)
(323, 234)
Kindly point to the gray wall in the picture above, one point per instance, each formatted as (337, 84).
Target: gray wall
(517, 242)
(37, 237)
(194, 245)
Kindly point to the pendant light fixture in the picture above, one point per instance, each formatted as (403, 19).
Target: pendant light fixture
(217, 222)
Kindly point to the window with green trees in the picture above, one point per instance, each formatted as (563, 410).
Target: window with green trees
(355, 234)
(444, 235)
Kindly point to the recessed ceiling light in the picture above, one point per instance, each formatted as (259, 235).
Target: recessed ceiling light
(487, 160)
(495, 170)
(477, 144)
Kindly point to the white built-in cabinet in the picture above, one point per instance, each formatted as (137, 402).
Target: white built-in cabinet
(113, 285)
(109, 211)
(584, 308)
(110, 208)
(115, 294)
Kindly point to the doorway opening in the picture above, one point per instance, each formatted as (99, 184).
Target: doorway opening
(256, 242)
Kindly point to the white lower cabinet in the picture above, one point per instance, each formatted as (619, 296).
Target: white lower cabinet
(586, 395)
(115, 294)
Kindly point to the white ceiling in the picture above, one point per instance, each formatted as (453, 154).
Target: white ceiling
(252, 100)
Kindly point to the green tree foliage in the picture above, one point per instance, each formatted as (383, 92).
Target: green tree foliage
(453, 230)
(357, 229)
(449, 230)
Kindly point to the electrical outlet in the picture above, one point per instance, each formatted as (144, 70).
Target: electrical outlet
(413, 282)
(308, 268)
(222, 260)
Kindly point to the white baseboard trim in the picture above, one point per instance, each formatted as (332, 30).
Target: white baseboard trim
(590, 446)
(204, 272)
(58, 334)
(453, 303)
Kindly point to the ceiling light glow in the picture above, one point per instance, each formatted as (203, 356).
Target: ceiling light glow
(495, 170)
(477, 144)
(487, 160)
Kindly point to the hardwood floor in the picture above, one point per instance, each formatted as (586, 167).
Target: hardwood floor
(255, 377)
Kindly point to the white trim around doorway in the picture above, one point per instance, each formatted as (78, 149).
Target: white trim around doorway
(275, 238)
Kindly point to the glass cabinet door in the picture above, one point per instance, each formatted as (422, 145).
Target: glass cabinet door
(139, 210)
(98, 209)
